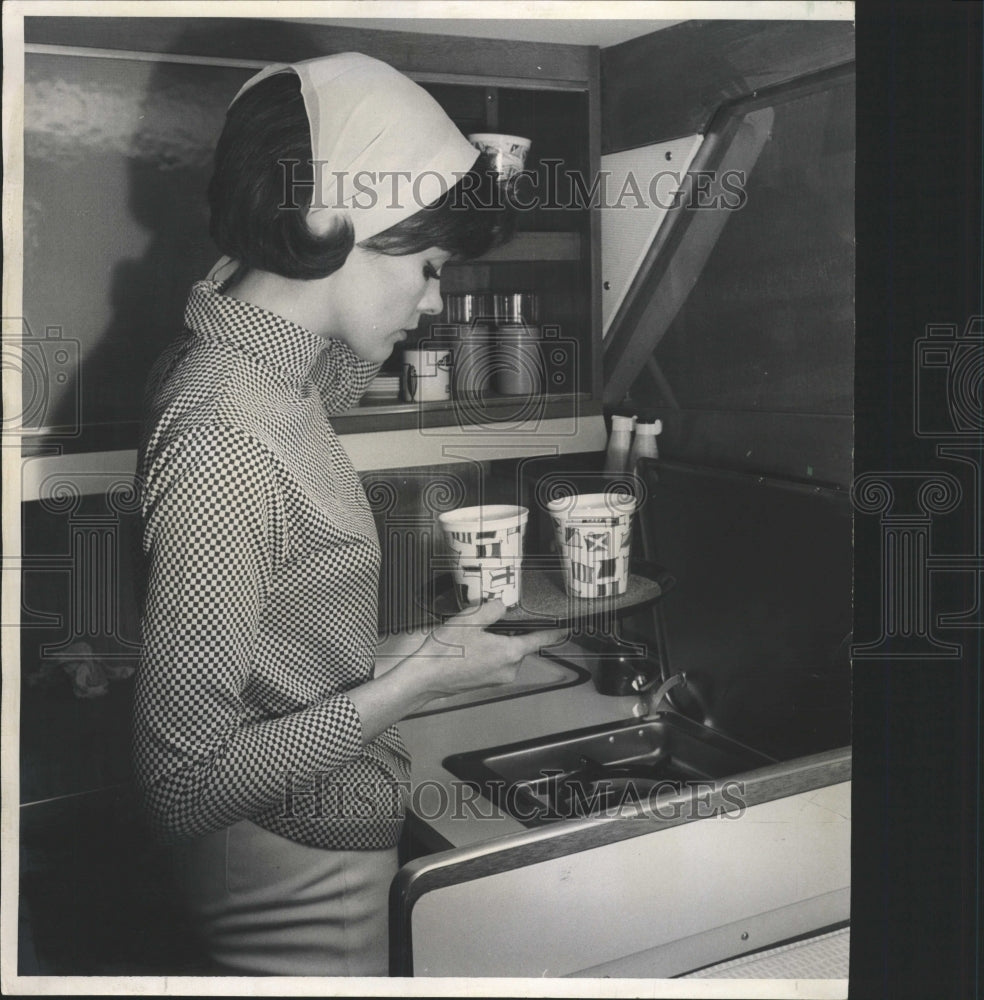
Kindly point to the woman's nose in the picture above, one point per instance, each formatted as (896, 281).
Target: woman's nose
(432, 303)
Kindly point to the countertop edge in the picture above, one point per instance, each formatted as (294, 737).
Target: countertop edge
(775, 781)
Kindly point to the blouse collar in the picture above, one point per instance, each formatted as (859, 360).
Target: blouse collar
(336, 370)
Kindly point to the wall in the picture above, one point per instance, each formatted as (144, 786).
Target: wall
(761, 355)
(701, 65)
(121, 120)
(750, 366)
(116, 156)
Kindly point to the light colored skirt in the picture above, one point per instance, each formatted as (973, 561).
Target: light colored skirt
(265, 905)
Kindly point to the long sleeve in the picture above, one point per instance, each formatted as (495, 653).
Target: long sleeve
(262, 586)
(214, 535)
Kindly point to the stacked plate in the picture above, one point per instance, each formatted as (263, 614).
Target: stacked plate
(383, 389)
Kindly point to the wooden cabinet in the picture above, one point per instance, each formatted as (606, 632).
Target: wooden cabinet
(152, 230)
(553, 254)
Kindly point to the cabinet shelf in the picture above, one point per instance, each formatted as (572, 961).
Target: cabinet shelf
(487, 411)
(533, 246)
(549, 92)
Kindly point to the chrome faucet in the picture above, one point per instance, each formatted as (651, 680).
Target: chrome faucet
(652, 694)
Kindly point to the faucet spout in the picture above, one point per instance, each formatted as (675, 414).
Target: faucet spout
(653, 695)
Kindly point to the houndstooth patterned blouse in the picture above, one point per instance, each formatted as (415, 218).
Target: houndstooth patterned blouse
(262, 569)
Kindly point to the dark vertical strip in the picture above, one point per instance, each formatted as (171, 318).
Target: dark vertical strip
(916, 865)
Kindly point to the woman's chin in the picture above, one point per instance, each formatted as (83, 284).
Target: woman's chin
(376, 355)
(391, 345)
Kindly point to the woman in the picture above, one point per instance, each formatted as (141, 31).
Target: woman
(265, 749)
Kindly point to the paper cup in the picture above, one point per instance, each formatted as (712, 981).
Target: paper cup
(427, 374)
(487, 543)
(509, 151)
(594, 534)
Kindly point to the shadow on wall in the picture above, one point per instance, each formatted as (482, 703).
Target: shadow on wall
(117, 158)
(118, 154)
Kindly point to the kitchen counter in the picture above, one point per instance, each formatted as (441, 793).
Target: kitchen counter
(494, 897)
(547, 698)
(432, 737)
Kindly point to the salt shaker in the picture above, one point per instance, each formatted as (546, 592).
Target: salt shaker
(619, 445)
(644, 444)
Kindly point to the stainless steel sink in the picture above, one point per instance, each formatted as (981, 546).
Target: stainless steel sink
(603, 770)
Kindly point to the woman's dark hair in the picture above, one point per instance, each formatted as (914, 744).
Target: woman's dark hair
(466, 221)
(265, 147)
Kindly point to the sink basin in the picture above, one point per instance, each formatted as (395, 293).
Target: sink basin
(603, 770)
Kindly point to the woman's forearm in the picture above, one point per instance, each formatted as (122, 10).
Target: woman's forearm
(458, 656)
(399, 692)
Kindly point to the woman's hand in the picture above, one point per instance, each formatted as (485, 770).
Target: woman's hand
(457, 656)
(460, 655)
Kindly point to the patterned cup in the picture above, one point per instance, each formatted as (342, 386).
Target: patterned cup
(594, 534)
(427, 374)
(508, 151)
(487, 543)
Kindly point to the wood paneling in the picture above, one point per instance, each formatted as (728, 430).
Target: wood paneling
(433, 56)
(670, 83)
(118, 152)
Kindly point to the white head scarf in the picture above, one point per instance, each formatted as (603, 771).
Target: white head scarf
(383, 147)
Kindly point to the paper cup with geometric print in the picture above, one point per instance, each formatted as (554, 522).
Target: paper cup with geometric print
(508, 152)
(426, 374)
(594, 533)
(487, 543)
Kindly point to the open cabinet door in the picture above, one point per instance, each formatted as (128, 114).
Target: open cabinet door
(641, 185)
